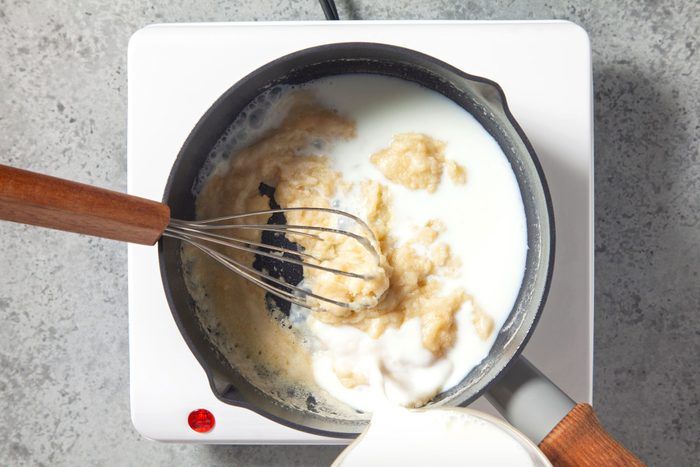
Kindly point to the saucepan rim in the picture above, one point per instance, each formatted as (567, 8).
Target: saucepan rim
(341, 51)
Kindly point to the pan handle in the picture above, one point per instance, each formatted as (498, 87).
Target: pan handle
(569, 434)
(36, 199)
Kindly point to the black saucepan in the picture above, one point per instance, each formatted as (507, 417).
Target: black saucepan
(568, 433)
(481, 97)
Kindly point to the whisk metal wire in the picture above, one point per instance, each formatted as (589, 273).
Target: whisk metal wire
(198, 233)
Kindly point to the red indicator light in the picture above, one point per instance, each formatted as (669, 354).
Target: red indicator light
(201, 420)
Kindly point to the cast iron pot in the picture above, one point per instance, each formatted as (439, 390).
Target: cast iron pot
(482, 98)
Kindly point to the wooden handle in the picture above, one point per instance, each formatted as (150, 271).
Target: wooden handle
(36, 199)
(580, 440)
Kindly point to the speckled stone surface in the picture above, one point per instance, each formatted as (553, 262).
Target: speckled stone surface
(63, 301)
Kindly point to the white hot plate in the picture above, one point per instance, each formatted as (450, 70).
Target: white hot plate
(177, 71)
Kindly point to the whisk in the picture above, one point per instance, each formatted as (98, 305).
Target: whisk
(37, 199)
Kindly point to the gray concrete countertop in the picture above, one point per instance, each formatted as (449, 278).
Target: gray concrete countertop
(63, 301)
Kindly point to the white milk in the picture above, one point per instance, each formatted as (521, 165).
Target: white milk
(484, 221)
(485, 228)
(399, 437)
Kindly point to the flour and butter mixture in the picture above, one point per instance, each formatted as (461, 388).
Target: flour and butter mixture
(446, 217)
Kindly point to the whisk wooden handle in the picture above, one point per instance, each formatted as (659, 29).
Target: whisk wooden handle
(37, 199)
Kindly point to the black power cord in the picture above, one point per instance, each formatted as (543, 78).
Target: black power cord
(329, 9)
